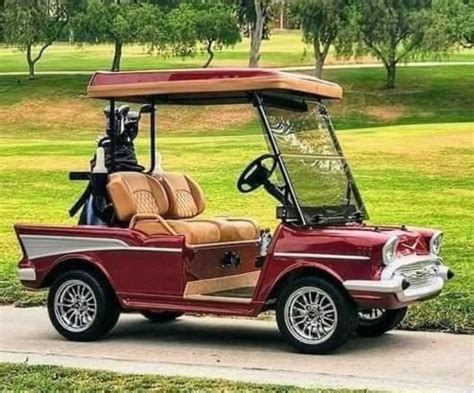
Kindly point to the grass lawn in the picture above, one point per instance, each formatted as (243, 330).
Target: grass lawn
(24, 378)
(412, 174)
(284, 48)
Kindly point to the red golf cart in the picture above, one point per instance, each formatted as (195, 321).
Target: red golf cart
(143, 244)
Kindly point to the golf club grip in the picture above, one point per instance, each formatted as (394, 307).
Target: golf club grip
(79, 175)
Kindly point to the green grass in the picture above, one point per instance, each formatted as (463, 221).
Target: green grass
(25, 378)
(415, 174)
(424, 95)
(282, 50)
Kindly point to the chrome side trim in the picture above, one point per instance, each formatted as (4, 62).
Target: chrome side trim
(26, 274)
(320, 256)
(40, 246)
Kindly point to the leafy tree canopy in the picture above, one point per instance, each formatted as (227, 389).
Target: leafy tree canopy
(109, 21)
(29, 23)
(394, 31)
(203, 25)
(321, 22)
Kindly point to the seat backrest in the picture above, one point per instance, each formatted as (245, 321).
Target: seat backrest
(185, 196)
(134, 193)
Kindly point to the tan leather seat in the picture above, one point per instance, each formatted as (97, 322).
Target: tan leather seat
(141, 200)
(187, 201)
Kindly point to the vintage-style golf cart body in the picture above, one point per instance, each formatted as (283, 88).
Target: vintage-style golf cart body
(148, 249)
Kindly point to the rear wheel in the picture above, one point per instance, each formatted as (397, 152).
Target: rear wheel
(315, 316)
(82, 306)
(375, 322)
(163, 316)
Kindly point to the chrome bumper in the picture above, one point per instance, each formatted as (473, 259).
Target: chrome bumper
(26, 274)
(409, 279)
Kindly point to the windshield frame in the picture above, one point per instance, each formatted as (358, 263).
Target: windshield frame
(292, 210)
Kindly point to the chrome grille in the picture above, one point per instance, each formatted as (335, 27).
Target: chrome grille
(418, 274)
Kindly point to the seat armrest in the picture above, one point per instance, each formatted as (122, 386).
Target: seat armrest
(151, 217)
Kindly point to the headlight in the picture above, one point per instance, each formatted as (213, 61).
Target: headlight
(435, 243)
(389, 250)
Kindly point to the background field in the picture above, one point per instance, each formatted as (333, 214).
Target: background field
(416, 174)
(282, 50)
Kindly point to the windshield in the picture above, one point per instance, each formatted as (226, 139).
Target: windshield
(317, 169)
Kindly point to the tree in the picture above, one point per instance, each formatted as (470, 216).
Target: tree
(111, 21)
(2, 20)
(393, 31)
(321, 21)
(455, 18)
(216, 26)
(465, 24)
(28, 23)
(254, 16)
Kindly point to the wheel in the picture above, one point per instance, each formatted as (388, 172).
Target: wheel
(315, 316)
(163, 316)
(375, 322)
(82, 306)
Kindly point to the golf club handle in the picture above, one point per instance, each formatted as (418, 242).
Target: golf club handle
(79, 175)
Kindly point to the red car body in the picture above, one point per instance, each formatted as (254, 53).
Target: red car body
(151, 272)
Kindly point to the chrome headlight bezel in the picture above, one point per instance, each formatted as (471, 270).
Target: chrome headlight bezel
(436, 243)
(389, 250)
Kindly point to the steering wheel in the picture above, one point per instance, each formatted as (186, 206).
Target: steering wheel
(256, 173)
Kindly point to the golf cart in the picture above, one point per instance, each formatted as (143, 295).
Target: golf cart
(143, 244)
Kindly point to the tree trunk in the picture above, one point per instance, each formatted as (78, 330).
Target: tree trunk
(391, 68)
(117, 56)
(210, 53)
(256, 35)
(320, 57)
(31, 62)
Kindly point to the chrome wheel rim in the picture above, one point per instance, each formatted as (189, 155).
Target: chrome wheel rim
(311, 315)
(372, 315)
(75, 306)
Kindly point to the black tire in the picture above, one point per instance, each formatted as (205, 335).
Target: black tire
(345, 312)
(161, 316)
(107, 307)
(388, 320)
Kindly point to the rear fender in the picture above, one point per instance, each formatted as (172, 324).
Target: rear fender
(75, 261)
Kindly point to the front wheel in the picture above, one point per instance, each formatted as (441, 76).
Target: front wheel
(375, 322)
(82, 306)
(315, 316)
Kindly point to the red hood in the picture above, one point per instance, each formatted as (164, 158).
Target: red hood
(354, 239)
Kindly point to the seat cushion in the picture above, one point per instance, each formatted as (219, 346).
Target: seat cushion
(235, 229)
(196, 231)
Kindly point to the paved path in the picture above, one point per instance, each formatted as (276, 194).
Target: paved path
(244, 350)
(296, 68)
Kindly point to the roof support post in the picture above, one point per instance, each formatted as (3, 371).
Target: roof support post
(257, 101)
(113, 134)
(152, 136)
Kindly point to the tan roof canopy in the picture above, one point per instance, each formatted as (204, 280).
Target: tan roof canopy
(133, 85)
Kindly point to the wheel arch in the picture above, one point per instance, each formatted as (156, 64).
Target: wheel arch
(305, 271)
(70, 263)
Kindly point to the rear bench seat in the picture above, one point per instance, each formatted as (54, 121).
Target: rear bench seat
(168, 205)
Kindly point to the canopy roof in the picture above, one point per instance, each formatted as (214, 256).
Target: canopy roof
(199, 83)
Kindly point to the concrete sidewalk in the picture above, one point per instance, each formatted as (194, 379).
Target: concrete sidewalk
(244, 350)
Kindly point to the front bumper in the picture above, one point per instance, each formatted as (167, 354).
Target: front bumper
(408, 279)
